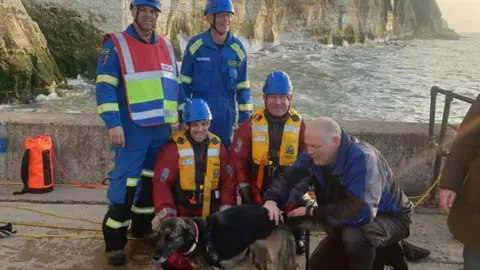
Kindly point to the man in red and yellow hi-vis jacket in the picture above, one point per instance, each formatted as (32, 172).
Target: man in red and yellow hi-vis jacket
(192, 176)
(270, 140)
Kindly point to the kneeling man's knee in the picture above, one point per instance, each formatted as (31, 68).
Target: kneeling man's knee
(354, 239)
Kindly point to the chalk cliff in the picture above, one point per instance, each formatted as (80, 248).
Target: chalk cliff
(26, 66)
(72, 30)
(324, 21)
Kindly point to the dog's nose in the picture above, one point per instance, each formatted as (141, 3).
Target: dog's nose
(156, 256)
(159, 257)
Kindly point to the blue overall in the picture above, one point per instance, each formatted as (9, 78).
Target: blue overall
(130, 188)
(218, 75)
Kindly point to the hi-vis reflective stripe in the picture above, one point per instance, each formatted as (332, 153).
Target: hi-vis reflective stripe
(194, 47)
(147, 114)
(116, 224)
(259, 129)
(243, 85)
(153, 113)
(126, 53)
(165, 212)
(239, 51)
(107, 79)
(129, 62)
(291, 129)
(132, 182)
(172, 56)
(147, 173)
(243, 185)
(149, 75)
(181, 106)
(213, 152)
(245, 107)
(107, 107)
(185, 79)
(186, 152)
(143, 210)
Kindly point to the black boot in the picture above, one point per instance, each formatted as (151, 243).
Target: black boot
(300, 236)
(414, 253)
(380, 259)
(116, 257)
(396, 257)
(246, 195)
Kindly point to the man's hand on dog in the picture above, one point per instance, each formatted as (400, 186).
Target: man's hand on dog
(274, 212)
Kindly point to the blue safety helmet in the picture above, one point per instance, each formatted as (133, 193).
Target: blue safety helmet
(151, 3)
(218, 6)
(196, 109)
(277, 83)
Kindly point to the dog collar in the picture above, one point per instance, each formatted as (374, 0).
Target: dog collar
(194, 245)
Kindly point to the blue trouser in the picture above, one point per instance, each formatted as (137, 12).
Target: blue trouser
(471, 259)
(130, 190)
(223, 119)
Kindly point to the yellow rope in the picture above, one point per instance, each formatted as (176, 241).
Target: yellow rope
(74, 236)
(422, 198)
(51, 214)
(60, 185)
(70, 185)
(434, 185)
(51, 226)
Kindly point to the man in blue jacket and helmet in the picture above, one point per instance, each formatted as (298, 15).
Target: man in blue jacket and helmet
(214, 68)
(138, 98)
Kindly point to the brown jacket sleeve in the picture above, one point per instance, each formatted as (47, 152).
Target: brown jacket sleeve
(465, 148)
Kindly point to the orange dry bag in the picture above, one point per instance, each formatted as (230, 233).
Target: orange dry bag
(37, 167)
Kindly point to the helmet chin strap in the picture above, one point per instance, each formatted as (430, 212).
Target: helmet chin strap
(212, 25)
(149, 31)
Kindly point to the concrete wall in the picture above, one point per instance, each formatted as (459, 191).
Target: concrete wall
(81, 146)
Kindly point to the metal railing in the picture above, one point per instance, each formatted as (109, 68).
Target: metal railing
(449, 96)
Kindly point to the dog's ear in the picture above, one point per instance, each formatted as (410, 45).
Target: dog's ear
(153, 237)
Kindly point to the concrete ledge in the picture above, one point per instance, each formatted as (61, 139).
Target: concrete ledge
(59, 195)
(81, 146)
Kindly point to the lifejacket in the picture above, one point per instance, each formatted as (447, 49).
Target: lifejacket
(37, 167)
(150, 77)
(260, 142)
(188, 184)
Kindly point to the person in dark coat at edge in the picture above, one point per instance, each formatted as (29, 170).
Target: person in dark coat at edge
(460, 187)
(193, 165)
(358, 199)
(267, 142)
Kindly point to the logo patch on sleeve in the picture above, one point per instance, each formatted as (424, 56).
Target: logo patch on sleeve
(167, 67)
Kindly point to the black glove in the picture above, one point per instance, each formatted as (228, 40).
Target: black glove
(246, 195)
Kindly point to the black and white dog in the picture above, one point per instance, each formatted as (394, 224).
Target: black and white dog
(241, 237)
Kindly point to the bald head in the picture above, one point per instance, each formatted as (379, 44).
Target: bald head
(322, 138)
(326, 127)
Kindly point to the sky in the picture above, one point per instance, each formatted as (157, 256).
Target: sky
(461, 15)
